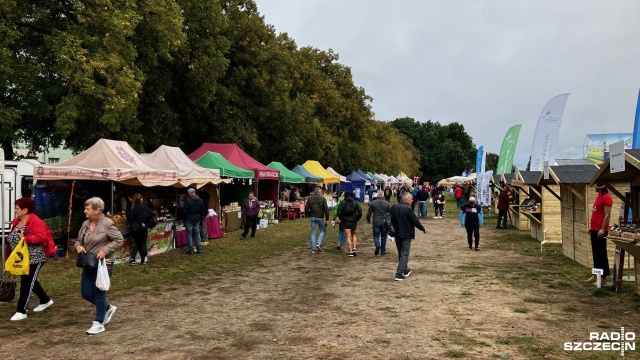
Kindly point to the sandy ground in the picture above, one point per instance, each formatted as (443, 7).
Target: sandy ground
(456, 303)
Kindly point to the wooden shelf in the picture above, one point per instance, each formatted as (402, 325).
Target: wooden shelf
(629, 245)
(532, 217)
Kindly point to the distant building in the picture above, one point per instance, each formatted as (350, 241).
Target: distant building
(49, 156)
(572, 161)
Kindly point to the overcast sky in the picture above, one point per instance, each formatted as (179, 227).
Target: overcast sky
(488, 65)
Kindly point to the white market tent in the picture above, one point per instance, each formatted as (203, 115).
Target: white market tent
(333, 172)
(189, 173)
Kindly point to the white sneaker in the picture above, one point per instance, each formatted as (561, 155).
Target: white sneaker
(43, 306)
(96, 328)
(435, 217)
(18, 316)
(107, 316)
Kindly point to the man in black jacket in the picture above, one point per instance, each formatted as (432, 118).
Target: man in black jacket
(193, 206)
(404, 222)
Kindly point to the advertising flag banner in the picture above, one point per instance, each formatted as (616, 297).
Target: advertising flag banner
(508, 150)
(547, 131)
(616, 156)
(484, 188)
(479, 160)
(636, 126)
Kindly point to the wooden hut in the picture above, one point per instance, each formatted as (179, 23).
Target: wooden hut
(577, 198)
(519, 221)
(542, 207)
(628, 238)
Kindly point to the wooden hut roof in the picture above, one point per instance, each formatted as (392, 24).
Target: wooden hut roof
(508, 178)
(530, 177)
(632, 169)
(569, 174)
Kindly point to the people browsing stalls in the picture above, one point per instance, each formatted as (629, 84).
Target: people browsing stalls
(250, 210)
(472, 219)
(99, 237)
(36, 234)
(193, 206)
(139, 219)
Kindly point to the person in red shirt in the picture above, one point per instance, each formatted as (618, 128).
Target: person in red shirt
(503, 206)
(599, 230)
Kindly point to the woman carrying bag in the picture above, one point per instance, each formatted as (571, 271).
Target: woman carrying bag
(98, 235)
(36, 234)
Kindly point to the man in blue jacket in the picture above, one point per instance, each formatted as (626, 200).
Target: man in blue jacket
(193, 207)
(404, 222)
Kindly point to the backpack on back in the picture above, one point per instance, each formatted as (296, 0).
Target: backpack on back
(349, 208)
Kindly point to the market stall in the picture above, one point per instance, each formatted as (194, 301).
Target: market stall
(536, 205)
(355, 181)
(577, 199)
(627, 236)
(518, 220)
(190, 174)
(233, 193)
(286, 177)
(93, 173)
(308, 177)
(265, 179)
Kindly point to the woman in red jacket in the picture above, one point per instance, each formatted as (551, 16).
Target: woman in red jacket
(36, 234)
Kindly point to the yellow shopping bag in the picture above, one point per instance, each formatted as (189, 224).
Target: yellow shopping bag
(18, 262)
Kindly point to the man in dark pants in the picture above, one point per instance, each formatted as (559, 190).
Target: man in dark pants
(250, 209)
(503, 207)
(599, 229)
(192, 213)
(404, 222)
(379, 207)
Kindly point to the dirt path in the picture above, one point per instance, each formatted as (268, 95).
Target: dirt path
(456, 303)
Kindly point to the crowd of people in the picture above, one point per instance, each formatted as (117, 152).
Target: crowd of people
(99, 236)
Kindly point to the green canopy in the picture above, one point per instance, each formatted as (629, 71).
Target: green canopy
(213, 160)
(286, 175)
(374, 177)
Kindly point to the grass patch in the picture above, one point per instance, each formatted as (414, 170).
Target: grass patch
(261, 326)
(521, 310)
(569, 309)
(602, 293)
(467, 293)
(382, 341)
(455, 354)
(534, 300)
(467, 267)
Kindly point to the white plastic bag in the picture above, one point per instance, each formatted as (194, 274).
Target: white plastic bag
(102, 280)
(391, 238)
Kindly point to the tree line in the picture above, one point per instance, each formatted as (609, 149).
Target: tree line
(184, 72)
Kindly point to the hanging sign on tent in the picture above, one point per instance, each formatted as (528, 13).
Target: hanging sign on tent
(616, 157)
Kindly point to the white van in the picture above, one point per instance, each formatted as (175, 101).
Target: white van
(17, 182)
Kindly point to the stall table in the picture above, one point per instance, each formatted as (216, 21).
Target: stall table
(231, 220)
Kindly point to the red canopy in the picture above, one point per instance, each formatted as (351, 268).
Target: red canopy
(239, 158)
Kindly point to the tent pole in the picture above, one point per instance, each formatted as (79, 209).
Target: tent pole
(112, 189)
(73, 185)
(2, 212)
(174, 227)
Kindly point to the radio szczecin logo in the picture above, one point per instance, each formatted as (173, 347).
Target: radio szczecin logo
(605, 341)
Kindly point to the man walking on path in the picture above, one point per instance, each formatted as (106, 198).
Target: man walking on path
(503, 207)
(404, 222)
(379, 207)
(318, 211)
(193, 206)
(387, 193)
(250, 209)
(342, 234)
(423, 197)
(471, 218)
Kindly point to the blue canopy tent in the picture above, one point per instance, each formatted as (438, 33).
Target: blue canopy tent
(365, 176)
(308, 177)
(355, 181)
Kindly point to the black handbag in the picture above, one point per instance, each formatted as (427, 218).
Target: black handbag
(7, 288)
(87, 261)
